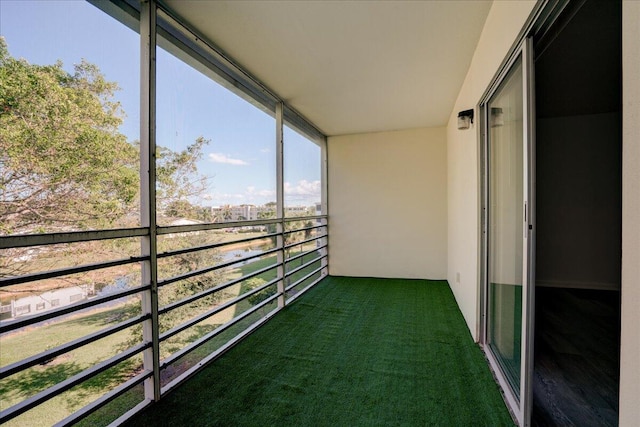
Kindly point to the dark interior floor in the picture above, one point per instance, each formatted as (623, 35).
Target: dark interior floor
(576, 367)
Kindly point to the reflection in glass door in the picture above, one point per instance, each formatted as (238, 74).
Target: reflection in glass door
(508, 231)
(505, 226)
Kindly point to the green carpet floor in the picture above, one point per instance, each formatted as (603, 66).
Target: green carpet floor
(350, 352)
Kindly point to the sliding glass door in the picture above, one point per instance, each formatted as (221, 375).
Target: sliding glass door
(505, 234)
(507, 230)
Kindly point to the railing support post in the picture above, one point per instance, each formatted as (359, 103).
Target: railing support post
(149, 300)
(324, 203)
(280, 202)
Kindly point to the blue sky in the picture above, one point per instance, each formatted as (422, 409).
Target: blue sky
(240, 158)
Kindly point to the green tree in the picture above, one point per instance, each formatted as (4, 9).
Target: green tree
(258, 297)
(63, 163)
(185, 263)
(226, 213)
(308, 233)
(270, 213)
(178, 180)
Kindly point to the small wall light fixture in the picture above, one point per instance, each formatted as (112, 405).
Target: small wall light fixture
(465, 118)
(497, 117)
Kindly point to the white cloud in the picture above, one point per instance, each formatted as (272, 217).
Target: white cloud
(303, 188)
(251, 191)
(219, 199)
(302, 193)
(223, 158)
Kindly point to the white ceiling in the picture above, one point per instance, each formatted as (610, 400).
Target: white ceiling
(350, 66)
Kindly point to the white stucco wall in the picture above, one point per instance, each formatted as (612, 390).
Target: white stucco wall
(630, 334)
(503, 24)
(388, 204)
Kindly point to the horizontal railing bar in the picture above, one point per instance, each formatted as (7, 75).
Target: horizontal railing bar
(212, 268)
(32, 277)
(200, 341)
(19, 323)
(316, 271)
(217, 353)
(304, 229)
(102, 401)
(212, 246)
(65, 385)
(168, 334)
(131, 412)
(305, 289)
(302, 267)
(17, 241)
(65, 348)
(302, 254)
(302, 242)
(170, 229)
(82, 236)
(22, 241)
(207, 292)
(305, 218)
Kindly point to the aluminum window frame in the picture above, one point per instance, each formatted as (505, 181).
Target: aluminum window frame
(151, 18)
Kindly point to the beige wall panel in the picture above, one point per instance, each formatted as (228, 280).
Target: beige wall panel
(630, 334)
(388, 204)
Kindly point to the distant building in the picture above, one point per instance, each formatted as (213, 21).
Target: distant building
(185, 221)
(246, 212)
(45, 301)
(292, 211)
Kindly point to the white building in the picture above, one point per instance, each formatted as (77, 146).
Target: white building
(46, 301)
(246, 212)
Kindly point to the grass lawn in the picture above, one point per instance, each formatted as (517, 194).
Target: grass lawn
(23, 344)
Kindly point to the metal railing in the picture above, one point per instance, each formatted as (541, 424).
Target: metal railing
(249, 289)
(172, 307)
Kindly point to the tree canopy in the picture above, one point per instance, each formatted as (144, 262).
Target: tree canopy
(64, 165)
(63, 162)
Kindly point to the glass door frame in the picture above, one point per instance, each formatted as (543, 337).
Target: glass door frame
(521, 405)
